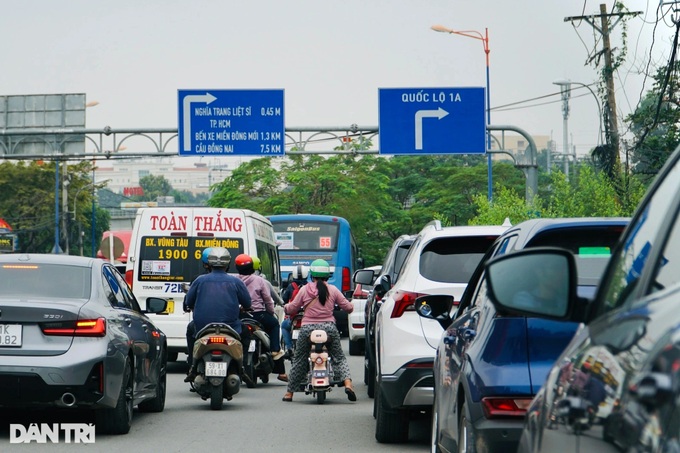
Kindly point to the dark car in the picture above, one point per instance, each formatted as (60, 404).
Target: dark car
(381, 284)
(74, 337)
(628, 344)
(489, 365)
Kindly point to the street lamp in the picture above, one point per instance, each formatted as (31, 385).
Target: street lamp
(75, 212)
(94, 211)
(565, 90)
(485, 42)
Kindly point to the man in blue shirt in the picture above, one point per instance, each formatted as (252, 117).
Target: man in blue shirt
(216, 297)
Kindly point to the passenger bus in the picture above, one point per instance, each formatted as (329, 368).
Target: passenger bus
(303, 238)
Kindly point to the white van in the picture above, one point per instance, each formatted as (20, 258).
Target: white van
(165, 252)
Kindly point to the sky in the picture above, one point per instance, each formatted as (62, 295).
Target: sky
(330, 57)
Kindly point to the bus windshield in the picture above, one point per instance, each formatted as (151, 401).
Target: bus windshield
(303, 238)
(307, 236)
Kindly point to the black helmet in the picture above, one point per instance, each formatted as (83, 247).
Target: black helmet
(219, 257)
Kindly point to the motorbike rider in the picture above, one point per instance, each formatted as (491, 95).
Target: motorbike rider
(300, 275)
(262, 309)
(191, 327)
(258, 271)
(318, 299)
(216, 297)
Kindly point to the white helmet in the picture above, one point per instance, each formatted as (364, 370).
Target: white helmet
(300, 272)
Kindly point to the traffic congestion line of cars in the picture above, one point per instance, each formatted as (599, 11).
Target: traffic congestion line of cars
(440, 260)
(489, 365)
(357, 319)
(389, 270)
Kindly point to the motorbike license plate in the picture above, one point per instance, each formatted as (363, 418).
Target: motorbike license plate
(215, 369)
(10, 335)
(320, 374)
(295, 334)
(251, 346)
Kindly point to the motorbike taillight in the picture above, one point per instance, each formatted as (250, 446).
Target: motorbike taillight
(217, 340)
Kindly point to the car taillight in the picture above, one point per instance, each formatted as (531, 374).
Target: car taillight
(79, 328)
(420, 365)
(128, 278)
(505, 407)
(346, 280)
(359, 293)
(404, 301)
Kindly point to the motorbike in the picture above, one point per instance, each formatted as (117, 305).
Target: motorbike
(320, 378)
(257, 360)
(218, 354)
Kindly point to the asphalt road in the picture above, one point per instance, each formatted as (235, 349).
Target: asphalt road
(255, 420)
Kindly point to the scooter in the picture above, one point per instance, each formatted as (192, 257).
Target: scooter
(218, 354)
(320, 379)
(257, 361)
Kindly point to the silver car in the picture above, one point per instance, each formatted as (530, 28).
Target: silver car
(72, 335)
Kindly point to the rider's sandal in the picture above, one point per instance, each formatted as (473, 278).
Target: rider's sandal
(288, 397)
(350, 394)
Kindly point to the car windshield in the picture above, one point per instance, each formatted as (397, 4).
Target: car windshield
(48, 281)
(591, 246)
(453, 259)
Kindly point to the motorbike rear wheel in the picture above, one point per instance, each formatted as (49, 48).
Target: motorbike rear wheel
(249, 369)
(216, 398)
(320, 397)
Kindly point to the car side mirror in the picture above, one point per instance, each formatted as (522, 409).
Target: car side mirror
(383, 286)
(436, 307)
(364, 277)
(538, 282)
(155, 305)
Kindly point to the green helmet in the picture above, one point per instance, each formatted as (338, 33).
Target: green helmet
(320, 269)
(256, 263)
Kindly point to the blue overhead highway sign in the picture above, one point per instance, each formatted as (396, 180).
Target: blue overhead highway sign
(432, 121)
(231, 122)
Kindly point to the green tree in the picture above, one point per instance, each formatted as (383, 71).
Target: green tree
(30, 209)
(655, 124)
(154, 187)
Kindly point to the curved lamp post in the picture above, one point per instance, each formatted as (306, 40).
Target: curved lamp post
(485, 42)
(75, 212)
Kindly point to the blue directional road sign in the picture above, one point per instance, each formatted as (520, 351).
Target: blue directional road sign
(432, 121)
(231, 122)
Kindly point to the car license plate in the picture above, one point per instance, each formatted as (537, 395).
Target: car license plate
(10, 335)
(215, 369)
(295, 334)
(251, 346)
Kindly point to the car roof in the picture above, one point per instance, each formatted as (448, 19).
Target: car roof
(465, 230)
(48, 258)
(526, 230)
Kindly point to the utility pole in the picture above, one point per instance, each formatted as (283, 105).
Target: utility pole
(608, 72)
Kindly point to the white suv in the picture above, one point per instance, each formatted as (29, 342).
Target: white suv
(440, 261)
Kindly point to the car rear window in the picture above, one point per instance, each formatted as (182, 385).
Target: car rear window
(454, 259)
(51, 281)
(591, 246)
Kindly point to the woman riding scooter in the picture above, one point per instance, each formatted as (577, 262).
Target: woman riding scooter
(318, 299)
